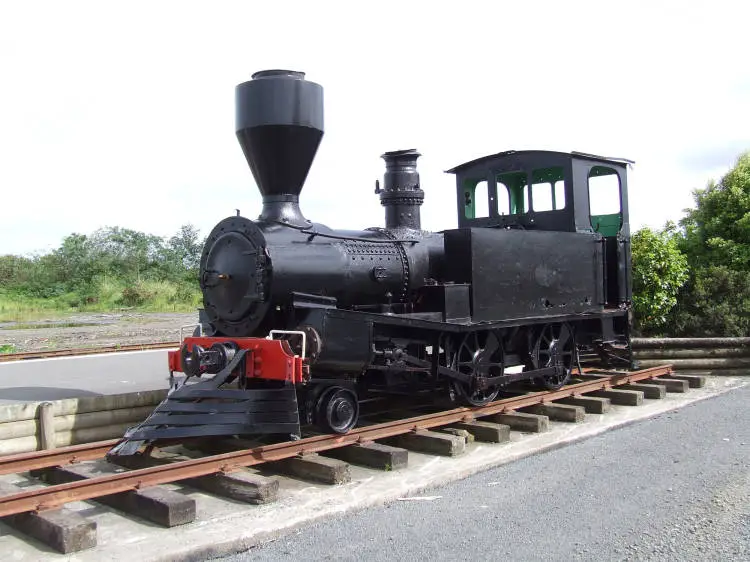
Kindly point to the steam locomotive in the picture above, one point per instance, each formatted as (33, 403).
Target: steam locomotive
(301, 321)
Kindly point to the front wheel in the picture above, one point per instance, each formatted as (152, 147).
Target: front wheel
(337, 410)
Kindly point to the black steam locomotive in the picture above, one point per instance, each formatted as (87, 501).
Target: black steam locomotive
(301, 321)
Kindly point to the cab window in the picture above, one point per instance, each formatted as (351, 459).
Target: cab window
(513, 186)
(548, 189)
(605, 207)
(476, 198)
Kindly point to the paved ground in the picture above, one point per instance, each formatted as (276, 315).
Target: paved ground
(676, 487)
(87, 375)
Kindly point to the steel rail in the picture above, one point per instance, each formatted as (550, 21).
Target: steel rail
(24, 462)
(34, 460)
(58, 495)
(26, 355)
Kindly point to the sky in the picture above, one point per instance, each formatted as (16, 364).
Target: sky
(122, 114)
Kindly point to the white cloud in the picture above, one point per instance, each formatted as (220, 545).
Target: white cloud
(124, 116)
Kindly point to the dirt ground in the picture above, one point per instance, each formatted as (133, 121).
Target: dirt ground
(94, 330)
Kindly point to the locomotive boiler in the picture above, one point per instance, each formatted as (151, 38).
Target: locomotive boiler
(300, 321)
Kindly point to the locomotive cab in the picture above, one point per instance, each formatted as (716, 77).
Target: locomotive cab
(538, 190)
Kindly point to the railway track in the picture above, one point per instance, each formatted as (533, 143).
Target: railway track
(411, 433)
(24, 356)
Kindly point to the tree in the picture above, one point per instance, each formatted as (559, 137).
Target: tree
(716, 241)
(74, 262)
(127, 254)
(15, 270)
(717, 230)
(659, 271)
(187, 246)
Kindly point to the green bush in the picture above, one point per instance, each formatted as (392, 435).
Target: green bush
(135, 296)
(659, 271)
(714, 303)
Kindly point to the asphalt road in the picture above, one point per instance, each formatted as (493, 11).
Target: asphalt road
(673, 487)
(87, 375)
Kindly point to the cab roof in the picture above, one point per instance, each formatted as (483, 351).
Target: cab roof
(572, 155)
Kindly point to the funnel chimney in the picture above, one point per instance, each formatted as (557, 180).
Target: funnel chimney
(401, 194)
(279, 124)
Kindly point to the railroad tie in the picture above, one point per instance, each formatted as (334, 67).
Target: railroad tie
(240, 485)
(672, 385)
(620, 397)
(694, 381)
(156, 504)
(313, 467)
(372, 455)
(453, 429)
(650, 391)
(592, 404)
(521, 421)
(63, 530)
(558, 412)
(486, 431)
(430, 442)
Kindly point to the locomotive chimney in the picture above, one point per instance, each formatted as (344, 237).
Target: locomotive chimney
(401, 195)
(279, 123)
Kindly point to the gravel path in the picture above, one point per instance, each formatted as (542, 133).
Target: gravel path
(674, 487)
(95, 330)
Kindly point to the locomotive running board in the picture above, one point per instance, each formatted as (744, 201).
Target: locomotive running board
(202, 409)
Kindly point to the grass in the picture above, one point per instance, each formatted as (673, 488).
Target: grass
(7, 348)
(17, 308)
(107, 296)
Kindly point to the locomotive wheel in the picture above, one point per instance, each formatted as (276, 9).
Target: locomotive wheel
(554, 347)
(337, 410)
(481, 355)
